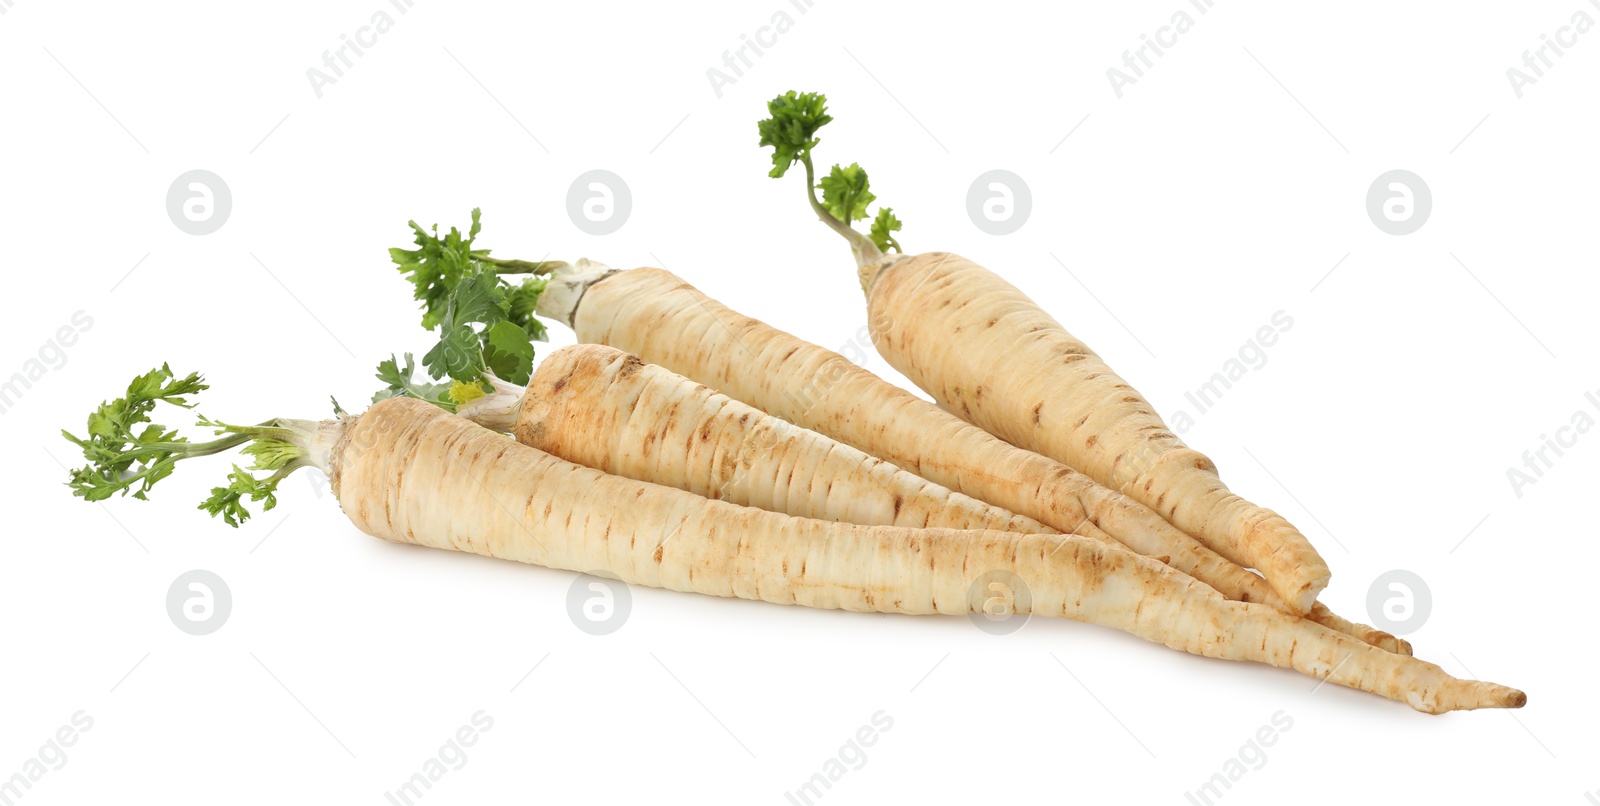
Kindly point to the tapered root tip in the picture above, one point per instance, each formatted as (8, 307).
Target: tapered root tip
(1471, 695)
(1511, 698)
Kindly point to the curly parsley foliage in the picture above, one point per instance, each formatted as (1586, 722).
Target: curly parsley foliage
(486, 325)
(883, 228)
(792, 129)
(228, 501)
(522, 305)
(437, 264)
(400, 384)
(845, 194)
(127, 453)
(478, 335)
(117, 442)
(791, 132)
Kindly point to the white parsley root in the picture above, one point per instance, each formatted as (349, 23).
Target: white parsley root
(667, 322)
(985, 351)
(409, 472)
(603, 408)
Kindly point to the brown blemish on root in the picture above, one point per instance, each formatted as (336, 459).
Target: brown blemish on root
(1036, 409)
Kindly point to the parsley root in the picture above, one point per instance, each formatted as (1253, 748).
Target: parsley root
(988, 353)
(409, 472)
(667, 322)
(603, 408)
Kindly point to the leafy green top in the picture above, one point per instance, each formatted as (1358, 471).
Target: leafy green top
(400, 384)
(437, 264)
(882, 227)
(845, 194)
(486, 325)
(127, 452)
(116, 442)
(791, 131)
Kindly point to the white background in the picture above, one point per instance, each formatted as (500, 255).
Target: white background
(1186, 213)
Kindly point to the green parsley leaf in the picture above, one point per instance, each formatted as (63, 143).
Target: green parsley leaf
(508, 353)
(438, 264)
(229, 501)
(882, 227)
(792, 129)
(116, 443)
(398, 376)
(845, 193)
(523, 302)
